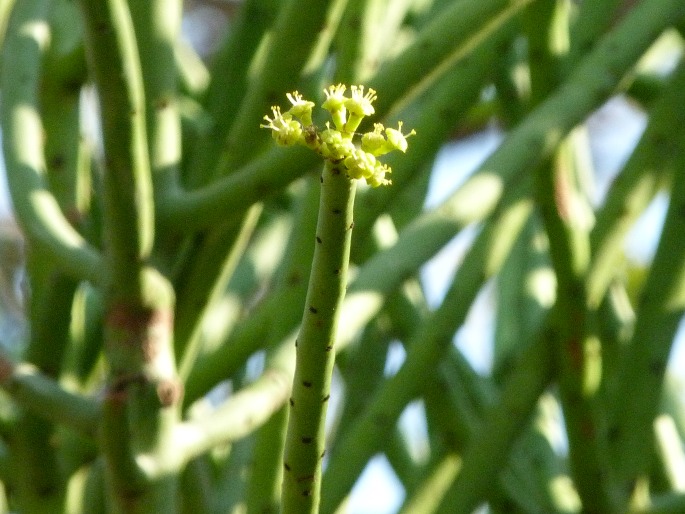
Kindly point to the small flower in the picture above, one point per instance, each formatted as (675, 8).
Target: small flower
(284, 129)
(359, 105)
(335, 104)
(359, 160)
(334, 145)
(396, 139)
(374, 142)
(378, 144)
(378, 177)
(301, 109)
(360, 164)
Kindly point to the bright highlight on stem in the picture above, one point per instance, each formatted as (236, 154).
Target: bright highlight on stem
(345, 161)
(337, 145)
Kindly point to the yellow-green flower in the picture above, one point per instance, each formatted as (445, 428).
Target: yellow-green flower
(301, 109)
(336, 145)
(335, 104)
(397, 140)
(378, 144)
(284, 129)
(359, 105)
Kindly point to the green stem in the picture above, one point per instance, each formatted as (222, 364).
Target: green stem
(43, 396)
(229, 196)
(452, 34)
(366, 28)
(114, 63)
(296, 30)
(426, 498)
(428, 345)
(593, 19)
(503, 422)
(661, 307)
(315, 345)
(205, 284)
(264, 487)
(157, 24)
(647, 170)
(68, 166)
(229, 82)
(140, 405)
(567, 217)
(36, 208)
(241, 414)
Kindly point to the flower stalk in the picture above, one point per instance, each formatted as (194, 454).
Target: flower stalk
(344, 162)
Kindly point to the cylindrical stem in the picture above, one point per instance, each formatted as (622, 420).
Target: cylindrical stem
(315, 353)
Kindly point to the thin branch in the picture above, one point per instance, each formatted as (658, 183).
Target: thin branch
(23, 146)
(240, 414)
(43, 396)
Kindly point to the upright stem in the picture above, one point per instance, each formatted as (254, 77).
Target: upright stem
(305, 443)
(140, 402)
(158, 23)
(35, 206)
(115, 66)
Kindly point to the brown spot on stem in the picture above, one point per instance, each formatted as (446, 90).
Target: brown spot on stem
(286, 466)
(6, 369)
(613, 433)
(656, 367)
(318, 239)
(313, 310)
(294, 279)
(306, 383)
(329, 348)
(162, 103)
(575, 354)
(140, 327)
(587, 428)
(326, 398)
(291, 402)
(306, 440)
(336, 210)
(56, 162)
(169, 392)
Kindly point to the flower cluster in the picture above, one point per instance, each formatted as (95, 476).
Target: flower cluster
(336, 144)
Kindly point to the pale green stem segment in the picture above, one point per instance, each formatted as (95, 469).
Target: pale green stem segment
(115, 66)
(157, 24)
(659, 312)
(23, 146)
(140, 402)
(34, 390)
(305, 442)
(567, 218)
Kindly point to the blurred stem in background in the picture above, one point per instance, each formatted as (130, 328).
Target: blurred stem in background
(165, 261)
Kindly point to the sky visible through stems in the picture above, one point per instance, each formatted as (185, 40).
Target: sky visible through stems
(614, 131)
